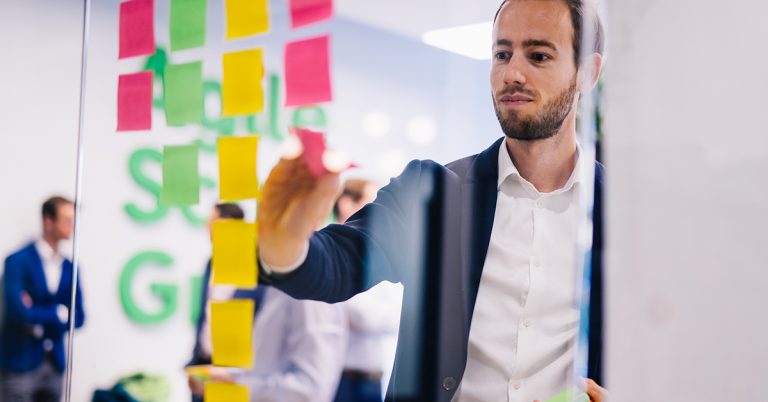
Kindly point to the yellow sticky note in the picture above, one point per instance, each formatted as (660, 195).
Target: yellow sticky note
(234, 253)
(242, 92)
(237, 168)
(225, 392)
(231, 331)
(246, 17)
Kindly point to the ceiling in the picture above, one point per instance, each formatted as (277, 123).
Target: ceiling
(414, 17)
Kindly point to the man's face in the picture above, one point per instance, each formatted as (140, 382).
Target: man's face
(214, 216)
(61, 227)
(533, 74)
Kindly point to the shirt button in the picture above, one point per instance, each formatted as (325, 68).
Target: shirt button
(527, 323)
(535, 262)
(540, 204)
(516, 385)
(449, 383)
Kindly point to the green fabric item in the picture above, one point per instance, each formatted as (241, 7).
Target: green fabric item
(147, 387)
(570, 395)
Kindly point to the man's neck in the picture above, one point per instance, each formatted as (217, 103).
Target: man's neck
(547, 164)
(52, 242)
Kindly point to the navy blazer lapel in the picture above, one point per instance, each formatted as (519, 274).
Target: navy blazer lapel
(479, 193)
(37, 273)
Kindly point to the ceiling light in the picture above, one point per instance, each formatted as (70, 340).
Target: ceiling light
(472, 40)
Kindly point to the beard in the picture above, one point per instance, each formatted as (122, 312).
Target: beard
(541, 126)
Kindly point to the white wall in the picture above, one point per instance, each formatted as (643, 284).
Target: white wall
(687, 156)
(38, 112)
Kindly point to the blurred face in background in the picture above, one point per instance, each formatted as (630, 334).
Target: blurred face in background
(215, 214)
(60, 227)
(348, 204)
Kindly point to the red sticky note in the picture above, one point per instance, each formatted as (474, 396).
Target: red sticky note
(314, 148)
(306, 12)
(137, 28)
(314, 151)
(134, 101)
(307, 72)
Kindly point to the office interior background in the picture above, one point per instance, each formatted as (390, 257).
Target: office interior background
(683, 138)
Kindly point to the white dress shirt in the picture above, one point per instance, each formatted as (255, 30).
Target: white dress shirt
(298, 348)
(374, 319)
(215, 293)
(52, 262)
(525, 322)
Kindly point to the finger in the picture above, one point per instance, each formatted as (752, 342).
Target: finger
(594, 391)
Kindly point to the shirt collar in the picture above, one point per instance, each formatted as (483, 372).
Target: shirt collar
(507, 168)
(45, 251)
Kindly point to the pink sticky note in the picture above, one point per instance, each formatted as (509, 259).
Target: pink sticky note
(306, 12)
(134, 101)
(314, 150)
(307, 72)
(137, 28)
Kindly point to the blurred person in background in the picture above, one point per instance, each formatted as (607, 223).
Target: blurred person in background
(37, 285)
(373, 317)
(298, 346)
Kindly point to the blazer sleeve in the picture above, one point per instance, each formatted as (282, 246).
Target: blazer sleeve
(376, 244)
(13, 286)
(79, 308)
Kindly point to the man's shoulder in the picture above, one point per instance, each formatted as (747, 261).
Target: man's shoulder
(463, 166)
(24, 253)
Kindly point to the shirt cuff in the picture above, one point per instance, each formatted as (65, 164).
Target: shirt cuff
(63, 313)
(276, 269)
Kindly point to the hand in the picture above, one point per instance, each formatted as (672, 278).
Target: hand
(595, 392)
(196, 386)
(293, 205)
(220, 374)
(26, 299)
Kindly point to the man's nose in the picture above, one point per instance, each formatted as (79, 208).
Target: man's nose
(514, 72)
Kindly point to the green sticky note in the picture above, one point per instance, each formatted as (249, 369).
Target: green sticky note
(187, 24)
(183, 93)
(181, 179)
(570, 395)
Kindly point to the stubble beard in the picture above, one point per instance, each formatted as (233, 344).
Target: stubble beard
(543, 125)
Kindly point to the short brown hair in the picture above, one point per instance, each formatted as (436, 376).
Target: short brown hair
(580, 14)
(51, 206)
(230, 211)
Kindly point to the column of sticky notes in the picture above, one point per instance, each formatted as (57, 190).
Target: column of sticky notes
(234, 241)
(183, 101)
(307, 81)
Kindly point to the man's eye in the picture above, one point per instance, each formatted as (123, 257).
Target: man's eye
(503, 56)
(539, 57)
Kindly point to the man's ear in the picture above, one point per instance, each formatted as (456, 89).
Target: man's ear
(589, 72)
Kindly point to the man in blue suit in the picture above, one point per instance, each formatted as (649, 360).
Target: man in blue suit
(486, 246)
(37, 286)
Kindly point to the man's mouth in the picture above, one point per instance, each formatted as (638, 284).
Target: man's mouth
(515, 100)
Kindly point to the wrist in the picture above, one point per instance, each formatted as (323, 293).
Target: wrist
(285, 260)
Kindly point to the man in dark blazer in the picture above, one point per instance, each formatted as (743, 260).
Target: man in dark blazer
(485, 246)
(37, 285)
